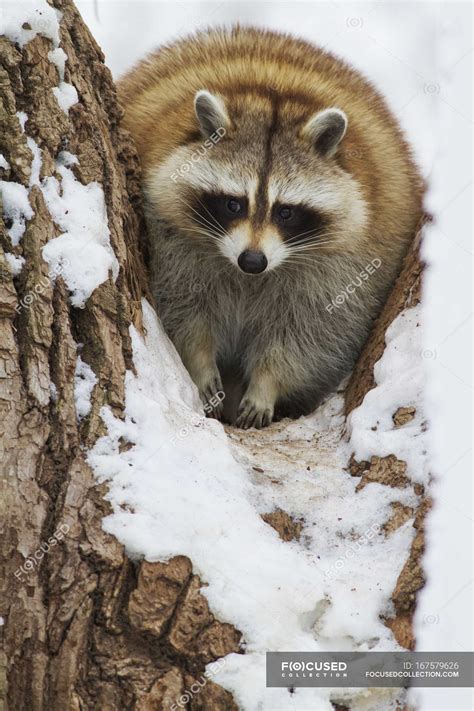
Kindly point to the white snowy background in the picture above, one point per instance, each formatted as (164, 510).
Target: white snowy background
(184, 480)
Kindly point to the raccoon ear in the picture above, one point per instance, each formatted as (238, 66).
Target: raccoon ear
(326, 130)
(211, 112)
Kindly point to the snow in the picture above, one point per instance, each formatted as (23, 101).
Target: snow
(16, 208)
(58, 57)
(41, 18)
(84, 382)
(82, 253)
(15, 263)
(176, 489)
(65, 93)
(400, 379)
(444, 615)
(36, 162)
(22, 118)
(3, 162)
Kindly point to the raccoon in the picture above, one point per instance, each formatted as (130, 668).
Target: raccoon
(281, 197)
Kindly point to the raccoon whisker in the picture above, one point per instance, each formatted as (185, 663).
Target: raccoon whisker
(207, 231)
(216, 227)
(309, 247)
(203, 233)
(286, 271)
(310, 234)
(297, 239)
(300, 263)
(308, 243)
(210, 228)
(204, 238)
(213, 217)
(307, 253)
(290, 267)
(289, 261)
(203, 221)
(297, 257)
(315, 237)
(205, 226)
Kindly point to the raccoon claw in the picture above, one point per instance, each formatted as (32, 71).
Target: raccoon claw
(212, 396)
(251, 415)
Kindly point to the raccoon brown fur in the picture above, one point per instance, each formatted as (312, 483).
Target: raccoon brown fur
(281, 196)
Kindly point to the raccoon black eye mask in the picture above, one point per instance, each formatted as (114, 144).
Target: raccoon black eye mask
(272, 198)
(296, 223)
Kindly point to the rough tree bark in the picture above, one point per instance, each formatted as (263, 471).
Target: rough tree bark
(86, 628)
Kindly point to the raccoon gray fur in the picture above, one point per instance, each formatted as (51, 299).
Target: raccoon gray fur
(281, 197)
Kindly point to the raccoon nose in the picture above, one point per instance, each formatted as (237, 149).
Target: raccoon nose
(252, 262)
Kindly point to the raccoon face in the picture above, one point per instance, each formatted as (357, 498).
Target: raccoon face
(258, 242)
(263, 189)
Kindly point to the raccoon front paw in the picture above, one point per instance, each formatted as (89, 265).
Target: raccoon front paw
(212, 396)
(251, 414)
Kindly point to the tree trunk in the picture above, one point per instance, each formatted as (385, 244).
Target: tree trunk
(85, 627)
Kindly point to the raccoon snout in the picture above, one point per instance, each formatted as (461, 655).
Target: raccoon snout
(252, 262)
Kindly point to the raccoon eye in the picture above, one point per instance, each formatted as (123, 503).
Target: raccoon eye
(233, 205)
(285, 213)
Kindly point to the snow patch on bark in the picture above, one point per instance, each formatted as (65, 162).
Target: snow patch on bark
(36, 163)
(400, 382)
(15, 263)
(16, 205)
(4, 163)
(65, 93)
(16, 209)
(22, 118)
(84, 382)
(82, 254)
(22, 21)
